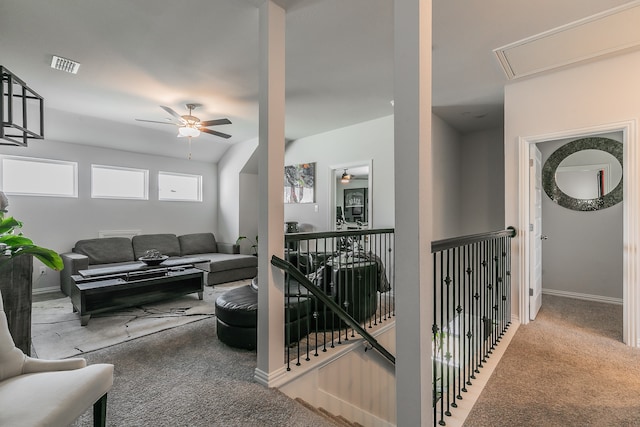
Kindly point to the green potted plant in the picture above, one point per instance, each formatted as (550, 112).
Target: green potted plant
(15, 280)
(254, 243)
(14, 244)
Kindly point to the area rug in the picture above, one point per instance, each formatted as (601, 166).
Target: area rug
(56, 331)
(186, 377)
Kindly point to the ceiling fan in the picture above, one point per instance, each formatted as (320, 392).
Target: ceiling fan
(191, 126)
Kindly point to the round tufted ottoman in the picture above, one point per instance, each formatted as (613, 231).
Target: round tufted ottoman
(237, 317)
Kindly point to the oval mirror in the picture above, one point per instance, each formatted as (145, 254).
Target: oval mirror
(585, 174)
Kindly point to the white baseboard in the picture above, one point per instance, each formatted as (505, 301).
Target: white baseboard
(587, 297)
(49, 289)
(460, 414)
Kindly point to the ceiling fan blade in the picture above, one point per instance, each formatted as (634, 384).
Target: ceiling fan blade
(155, 121)
(173, 113)
(216, 133)
(215, 122)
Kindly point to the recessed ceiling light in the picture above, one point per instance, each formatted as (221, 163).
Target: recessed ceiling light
(64, 64)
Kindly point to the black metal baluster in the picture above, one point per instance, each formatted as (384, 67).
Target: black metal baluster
(457, 355)
(464, 316)
(447, 354)
(434, 341)
(441, 340)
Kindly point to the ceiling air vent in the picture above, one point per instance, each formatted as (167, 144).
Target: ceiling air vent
(64, 64)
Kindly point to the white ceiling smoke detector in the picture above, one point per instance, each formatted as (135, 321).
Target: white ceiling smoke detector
(64, 64)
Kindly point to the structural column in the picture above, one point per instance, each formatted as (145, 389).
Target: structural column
(413, 213)
(270, 200)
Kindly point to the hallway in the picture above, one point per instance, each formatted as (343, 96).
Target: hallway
(569, 367)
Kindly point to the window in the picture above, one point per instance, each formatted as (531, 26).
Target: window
(177, 186)
(39, 177)
(112, 182)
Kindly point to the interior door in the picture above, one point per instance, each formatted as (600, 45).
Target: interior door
(535, 228)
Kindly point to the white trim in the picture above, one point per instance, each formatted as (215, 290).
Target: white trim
(47, 290)
(631, 211)
(269, 379)
(571, 30)
(465, 405)
(198, 179)
(331, 217)
(108, 168)
(36, 160)
(585, 297)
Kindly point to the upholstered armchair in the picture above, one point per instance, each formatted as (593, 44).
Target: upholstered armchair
(37, 392)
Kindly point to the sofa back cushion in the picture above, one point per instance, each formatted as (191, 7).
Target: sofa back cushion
(166, 244)
(105, 250)
(198, 243)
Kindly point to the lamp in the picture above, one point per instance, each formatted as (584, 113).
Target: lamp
(345, 177)
(188, 131)
(17, 101)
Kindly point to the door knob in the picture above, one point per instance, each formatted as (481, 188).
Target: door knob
(543, 237)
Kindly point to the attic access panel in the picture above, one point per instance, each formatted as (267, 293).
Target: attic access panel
(21, 110)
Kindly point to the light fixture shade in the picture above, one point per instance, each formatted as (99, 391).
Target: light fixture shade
(345, 177)
(188, 131)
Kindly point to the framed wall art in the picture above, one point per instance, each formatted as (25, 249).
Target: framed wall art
(299, 183)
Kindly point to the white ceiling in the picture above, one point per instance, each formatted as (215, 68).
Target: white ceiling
(137, 55)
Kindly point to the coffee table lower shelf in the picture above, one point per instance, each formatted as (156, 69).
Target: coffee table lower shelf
(98, 295)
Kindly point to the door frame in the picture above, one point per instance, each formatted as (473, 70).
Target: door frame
(631, 227)
(331, 215)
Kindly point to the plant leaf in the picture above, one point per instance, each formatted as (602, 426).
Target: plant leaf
(8, 224)
(47, 256)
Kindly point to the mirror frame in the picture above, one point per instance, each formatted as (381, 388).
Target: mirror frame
(611, 146)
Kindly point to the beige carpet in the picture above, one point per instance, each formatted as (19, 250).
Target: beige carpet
(56, 332)
(567, 368)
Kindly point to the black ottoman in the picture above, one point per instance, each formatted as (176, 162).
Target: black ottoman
(237, 317)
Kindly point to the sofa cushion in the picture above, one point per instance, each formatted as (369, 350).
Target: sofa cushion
(105, 250)
(224, 262)
(198, 243)
(166, 244)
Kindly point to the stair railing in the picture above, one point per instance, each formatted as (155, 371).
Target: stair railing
(337, 284)
(472, 311)
(294, 273)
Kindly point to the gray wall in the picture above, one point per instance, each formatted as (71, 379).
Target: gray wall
(482, 181)
(583, 254)
(446, 178)
(58, 222)
(372, 140)
(232, 198)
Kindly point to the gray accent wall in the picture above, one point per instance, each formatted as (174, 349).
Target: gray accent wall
(583, 254)
(58, 222)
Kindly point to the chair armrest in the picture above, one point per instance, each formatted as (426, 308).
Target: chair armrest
(32, 365)
(228, 248)
(72, 263)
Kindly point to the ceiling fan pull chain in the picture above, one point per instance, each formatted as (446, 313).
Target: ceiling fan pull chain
(189, 148)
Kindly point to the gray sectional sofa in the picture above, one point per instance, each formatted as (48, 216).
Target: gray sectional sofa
(225, 263)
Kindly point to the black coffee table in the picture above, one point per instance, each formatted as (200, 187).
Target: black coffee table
(110, 288)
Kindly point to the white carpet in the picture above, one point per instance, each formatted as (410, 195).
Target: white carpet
(56, 332)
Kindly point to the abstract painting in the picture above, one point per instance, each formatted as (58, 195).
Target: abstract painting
(299, 183)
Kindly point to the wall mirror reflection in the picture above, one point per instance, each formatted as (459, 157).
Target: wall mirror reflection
(352, 196)
(585, 174)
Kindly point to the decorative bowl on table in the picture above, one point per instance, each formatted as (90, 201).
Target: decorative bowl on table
(152, 257)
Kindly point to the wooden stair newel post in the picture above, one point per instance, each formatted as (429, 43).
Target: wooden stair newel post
(15, 285)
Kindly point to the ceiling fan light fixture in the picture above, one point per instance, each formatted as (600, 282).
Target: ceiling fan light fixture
(188, 131)
(345, 177)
